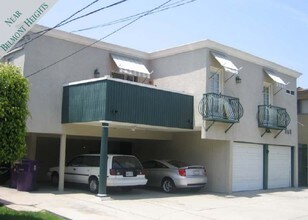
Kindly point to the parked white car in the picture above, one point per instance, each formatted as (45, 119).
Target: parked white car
(122, 171)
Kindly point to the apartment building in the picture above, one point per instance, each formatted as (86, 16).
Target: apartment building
(204, 103)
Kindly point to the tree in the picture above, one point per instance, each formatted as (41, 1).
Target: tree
(14, 95)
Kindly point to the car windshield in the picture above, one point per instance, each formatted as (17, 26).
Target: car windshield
(177, 163)
(124, 162)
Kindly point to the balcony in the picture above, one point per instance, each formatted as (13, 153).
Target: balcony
(220, 108)
(114, 100)
(272, 117)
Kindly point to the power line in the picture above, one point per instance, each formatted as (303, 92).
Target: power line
(57, 25)
(67, 20)
(92, 12)
(89, 45)
(166, 7)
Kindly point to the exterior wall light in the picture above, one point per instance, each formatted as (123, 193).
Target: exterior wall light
(96, 73)
(238, 79)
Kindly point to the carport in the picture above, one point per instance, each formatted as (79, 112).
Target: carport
(107, 107)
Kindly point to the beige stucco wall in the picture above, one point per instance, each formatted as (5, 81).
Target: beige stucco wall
(16, 57)
(46, 86)
(190, 71)
(193, 67)
(45, 102)
(183, 72)
(115, 132)
(186, 71)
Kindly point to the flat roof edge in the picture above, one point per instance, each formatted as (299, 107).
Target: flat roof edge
(209, 44)
(212, 45)
(75, 38)
(127, 82)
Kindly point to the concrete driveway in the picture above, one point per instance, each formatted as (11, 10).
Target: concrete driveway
(153, 204)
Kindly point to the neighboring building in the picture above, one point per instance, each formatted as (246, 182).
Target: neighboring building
(204, 103)
(302, 106)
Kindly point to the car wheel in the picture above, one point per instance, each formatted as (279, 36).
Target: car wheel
(55, 179)
(93, 185)
(168, 185)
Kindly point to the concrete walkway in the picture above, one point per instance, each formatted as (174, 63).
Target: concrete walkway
(153, 204)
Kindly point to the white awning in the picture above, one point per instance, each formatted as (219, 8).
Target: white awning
(225, 62)
(276, 78)
(130, 66)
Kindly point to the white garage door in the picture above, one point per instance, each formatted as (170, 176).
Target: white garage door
(247, 167)
(279, 167)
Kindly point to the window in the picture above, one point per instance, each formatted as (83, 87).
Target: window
(92, 161)
(290, 92)
(215, 81)
(178, 164)
(78, 161)
(125, 162)
(267, 94)
(131, 78)
(148, 164)
(125, 77)
(159, 165)
(153, 165)
(117, 75)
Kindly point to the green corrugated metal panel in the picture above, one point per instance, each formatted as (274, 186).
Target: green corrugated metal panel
(84, 102)
(112, 100)
(143, 105)
(65, 105)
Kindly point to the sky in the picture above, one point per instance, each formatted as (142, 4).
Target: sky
(275, 30)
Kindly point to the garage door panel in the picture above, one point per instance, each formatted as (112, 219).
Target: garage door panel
(247, 167)
(279, 167)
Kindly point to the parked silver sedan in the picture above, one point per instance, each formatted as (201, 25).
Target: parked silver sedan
(172, 174)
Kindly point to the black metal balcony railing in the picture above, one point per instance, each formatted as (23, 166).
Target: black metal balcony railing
(273, 117)
(217, 107)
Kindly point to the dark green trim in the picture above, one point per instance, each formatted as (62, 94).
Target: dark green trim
(265, 166)
(102, 182)
(292, 165)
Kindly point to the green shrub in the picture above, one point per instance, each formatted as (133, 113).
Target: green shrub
(14, 95)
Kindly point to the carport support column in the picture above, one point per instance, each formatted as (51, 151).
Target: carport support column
(265, 166)
(62, 162)
(103, 161)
